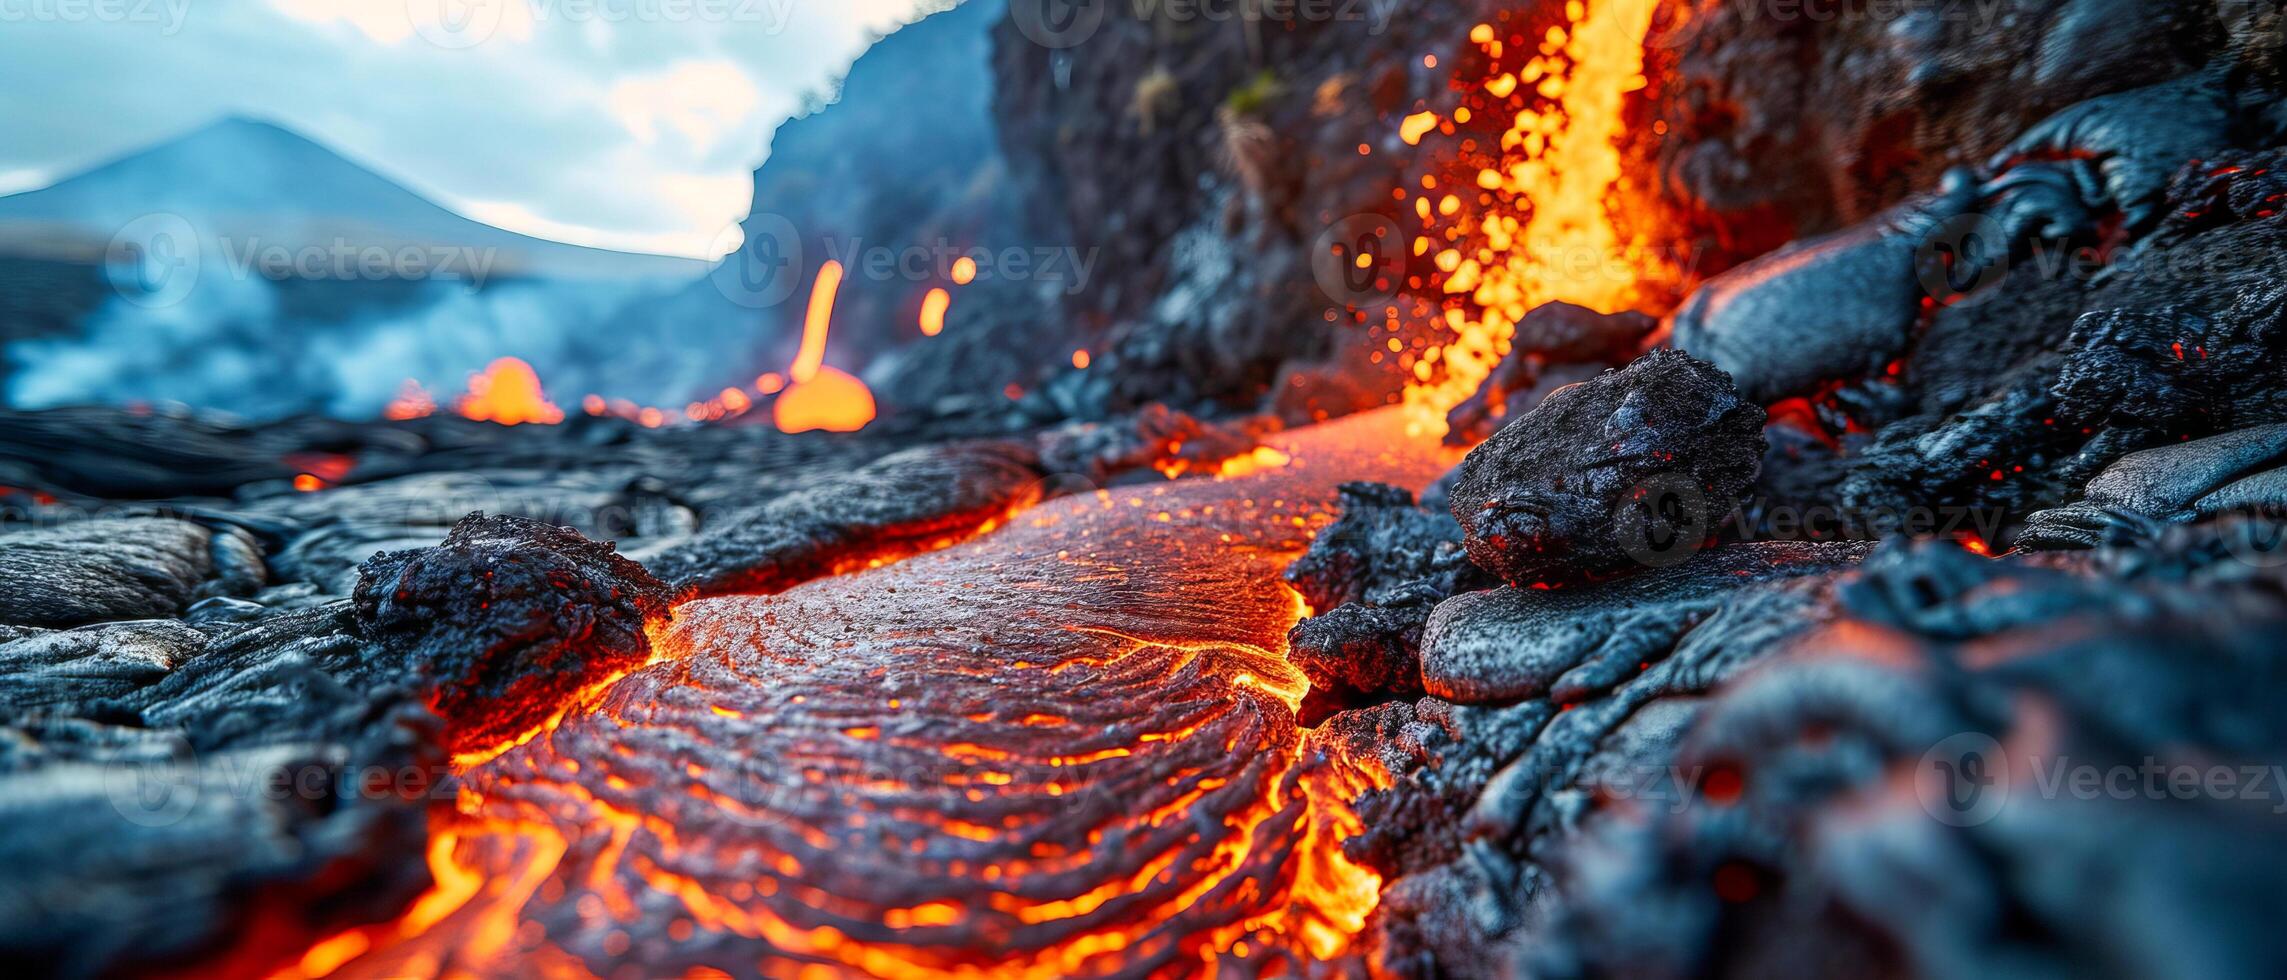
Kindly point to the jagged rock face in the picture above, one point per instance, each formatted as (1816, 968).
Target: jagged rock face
(1199, 158)
(1782, 126)
(1558, 495)
(507, 619)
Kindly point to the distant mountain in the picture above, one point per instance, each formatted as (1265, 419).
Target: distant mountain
(254, 184)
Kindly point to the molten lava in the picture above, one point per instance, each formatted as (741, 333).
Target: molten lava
(508, 392)
(1067, 747)
(1531, 225)
(822, 397)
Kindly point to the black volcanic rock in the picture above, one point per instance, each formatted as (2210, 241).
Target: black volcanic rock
(507, 619)
(1504, 645)
(902, 503)
(1609, 475)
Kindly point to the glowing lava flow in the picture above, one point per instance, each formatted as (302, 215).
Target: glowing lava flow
(1532, 226)
(1064, 748)
(822, 396)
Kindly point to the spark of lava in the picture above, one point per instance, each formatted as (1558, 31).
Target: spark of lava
(1532, 225)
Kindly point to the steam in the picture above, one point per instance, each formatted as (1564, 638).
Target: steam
(262, 348)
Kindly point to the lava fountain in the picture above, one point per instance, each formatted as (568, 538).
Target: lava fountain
(1526, 218)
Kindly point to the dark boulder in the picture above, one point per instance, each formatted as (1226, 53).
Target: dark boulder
(507, 619)
(1611, 475)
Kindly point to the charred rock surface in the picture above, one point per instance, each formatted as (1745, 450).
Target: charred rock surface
(2169, 485)
(1836, 306)
(1505, 645)
(1522, 765)
(205, 794)
(507, 619)
(1566, 493)
(223, 788)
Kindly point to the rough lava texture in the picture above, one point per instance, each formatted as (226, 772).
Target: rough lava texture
(1835, 793)
(905, 502)
(1582, 486)
(120, 568)
(1375, 574)
(507, 619)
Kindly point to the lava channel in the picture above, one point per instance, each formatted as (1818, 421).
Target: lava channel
(1067, 747)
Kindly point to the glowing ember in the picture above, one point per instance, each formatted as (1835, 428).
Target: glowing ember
(1536, 229)
(507, 392)
(933, 308)
(822, 397)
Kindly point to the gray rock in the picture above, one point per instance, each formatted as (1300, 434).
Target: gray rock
(120, 568)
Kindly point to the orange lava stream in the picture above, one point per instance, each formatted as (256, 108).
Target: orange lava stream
(1535, 227)
(548, 832)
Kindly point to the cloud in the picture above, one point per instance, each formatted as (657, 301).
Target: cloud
(508, 126)
(701, 101)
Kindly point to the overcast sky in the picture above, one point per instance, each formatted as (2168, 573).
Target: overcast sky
(628, 124)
